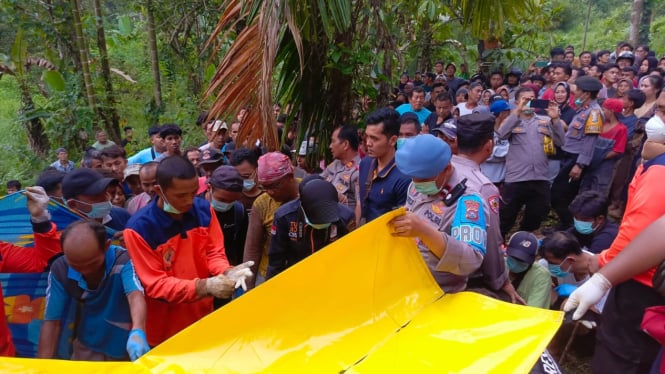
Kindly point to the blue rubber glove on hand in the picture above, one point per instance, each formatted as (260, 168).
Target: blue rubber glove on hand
(564, 290)
(137, 344)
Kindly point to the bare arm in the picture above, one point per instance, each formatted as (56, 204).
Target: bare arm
(137, 309)
(48, 339)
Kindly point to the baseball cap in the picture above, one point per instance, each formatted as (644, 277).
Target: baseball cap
(227, 178)
(213, 156)
(319, 201)
(423, 156)
(447, 128)
(130, 170)
(588, 84)
(85, 181)
(219, 125)
(523, 245)
(499, 106)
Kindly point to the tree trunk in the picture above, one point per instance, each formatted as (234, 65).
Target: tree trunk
(154, 56)
(635, 18)
(645, 25)
(83, 53)
(425, 41)
(35, 128)
(108, 112)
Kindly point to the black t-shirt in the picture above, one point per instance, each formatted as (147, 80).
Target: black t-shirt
(234, 227)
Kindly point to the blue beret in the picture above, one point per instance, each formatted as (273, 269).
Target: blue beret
(423, 156)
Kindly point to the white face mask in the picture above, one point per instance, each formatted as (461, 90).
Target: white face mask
(655, 129)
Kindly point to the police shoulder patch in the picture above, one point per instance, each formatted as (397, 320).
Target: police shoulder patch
(494, 203)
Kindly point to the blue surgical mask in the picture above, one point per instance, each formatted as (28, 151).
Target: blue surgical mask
(221, 206)
(426, 188)
(583, 227)
(168, 208)
(578, 103)
(528, 111)
(315, 226)
(516, 266)
(400, 142)
(556, 271)
(248, 184)
(98, 210)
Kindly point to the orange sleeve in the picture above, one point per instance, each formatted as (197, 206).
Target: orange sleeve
(646, 203)
(157, 282)
(17, 259)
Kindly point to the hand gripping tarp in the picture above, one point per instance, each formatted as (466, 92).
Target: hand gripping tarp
(365, 304)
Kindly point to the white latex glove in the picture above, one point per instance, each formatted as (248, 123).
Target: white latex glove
(240, 273)
(220, 286)
(38, 203)
(587, 295)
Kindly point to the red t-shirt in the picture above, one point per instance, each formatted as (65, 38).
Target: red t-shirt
(619, 134)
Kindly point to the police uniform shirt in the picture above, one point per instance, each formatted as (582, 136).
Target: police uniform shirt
(344, 177)
(460, 258)
(579, 139)
(478, 217)
(526, 159)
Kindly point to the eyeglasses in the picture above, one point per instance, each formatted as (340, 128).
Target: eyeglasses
(272, 186)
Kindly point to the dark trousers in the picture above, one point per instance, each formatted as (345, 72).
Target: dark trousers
(621, 346)
(564, 191)
(533, 195)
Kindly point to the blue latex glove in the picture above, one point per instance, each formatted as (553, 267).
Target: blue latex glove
(137, 344)
(564, 290)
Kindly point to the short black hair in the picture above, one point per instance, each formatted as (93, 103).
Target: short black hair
(539, 78)
(625, 44)
(241, 155)
(127, 128)
(496, 72)
(49, 180)
(602, 53)
(89, 155)
(557, 51)
(443, 96)
(14, 184)
(173, 167)
(113, 151)
(560, 244)
(438, 84)
(637, 97)
(148, 165)
(410, 118)
(201, 119)
(562, 65)
(603, 68)
(390, 119)
(589, 204)
(521, 90)
(473, 131)
(350, 134)
(417, 89)
(97, 229)
(431, 76)
(630, 68)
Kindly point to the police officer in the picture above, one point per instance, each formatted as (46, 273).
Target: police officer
(431, 215)
(305, 225)
(532, 138)
(343, 171)
(578, 147)
(475, 141)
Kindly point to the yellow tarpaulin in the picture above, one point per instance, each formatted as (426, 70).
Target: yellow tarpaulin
(364, 304)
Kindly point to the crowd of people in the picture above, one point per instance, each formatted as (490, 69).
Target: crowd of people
(194, 227)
